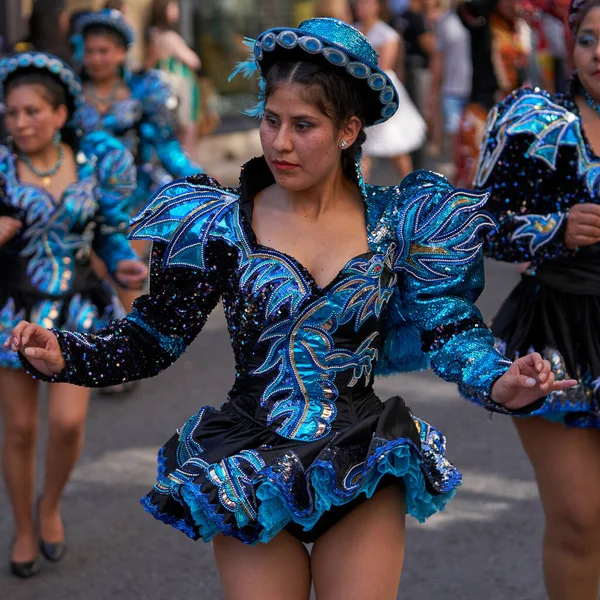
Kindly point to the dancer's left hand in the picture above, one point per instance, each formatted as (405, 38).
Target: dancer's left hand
(131, 274)
(528, 379)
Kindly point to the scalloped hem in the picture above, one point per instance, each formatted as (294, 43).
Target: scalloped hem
(277, 508)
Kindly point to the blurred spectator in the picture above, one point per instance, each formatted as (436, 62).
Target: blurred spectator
(500, 46)
(405, 132)
(419, 46)
(450, 74)
(168, 51)
(335, 9)
(48, 29)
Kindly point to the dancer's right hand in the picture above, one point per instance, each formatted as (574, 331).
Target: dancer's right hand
(39, 346)
(9, 227)
(583, 225)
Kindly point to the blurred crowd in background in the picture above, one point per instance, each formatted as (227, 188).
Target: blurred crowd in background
(455, 59)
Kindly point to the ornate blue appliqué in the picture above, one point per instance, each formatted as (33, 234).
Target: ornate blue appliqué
(435, 236)
(551, 125)
(540, 229)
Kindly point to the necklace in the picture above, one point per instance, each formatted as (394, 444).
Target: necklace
(110, 99)
(44, 175)
(591, 102)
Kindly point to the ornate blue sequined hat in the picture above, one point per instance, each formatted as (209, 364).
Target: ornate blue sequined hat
(31, 61)
(334, 44)
(108, 17)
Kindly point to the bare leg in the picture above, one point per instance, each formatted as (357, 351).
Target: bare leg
(279, 570)
(20, 419)
(567, 467)
(362, 555)
(67, 410)
(125, 296)
(404, 164)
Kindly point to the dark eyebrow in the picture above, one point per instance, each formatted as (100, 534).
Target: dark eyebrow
(302, 117)
(586, 30)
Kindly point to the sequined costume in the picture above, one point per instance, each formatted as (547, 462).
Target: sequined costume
(45, 273)
(144, 122)
(302, 435)
(538, 163)
(45, 269)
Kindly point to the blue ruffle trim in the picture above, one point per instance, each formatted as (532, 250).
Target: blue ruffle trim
(277, 506)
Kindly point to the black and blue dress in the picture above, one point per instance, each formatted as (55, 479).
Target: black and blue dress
(302, 437)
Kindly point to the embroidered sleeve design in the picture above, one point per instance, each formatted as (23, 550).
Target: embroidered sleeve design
(116, 177)
(550, 125)
(433, 313)
(435, 236)
(535, 160)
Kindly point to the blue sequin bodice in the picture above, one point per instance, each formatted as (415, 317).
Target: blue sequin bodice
(300, 349)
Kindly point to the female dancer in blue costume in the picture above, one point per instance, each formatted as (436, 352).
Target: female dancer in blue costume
(62, 196)
(325, 281)
(541, 160)
(136, 108)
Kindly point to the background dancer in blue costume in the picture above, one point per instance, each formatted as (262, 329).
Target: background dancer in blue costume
(541, 159)
(61, 196)
(137, 108)
(324, 280)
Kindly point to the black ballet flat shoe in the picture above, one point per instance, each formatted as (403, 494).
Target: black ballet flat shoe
(24, 570)
(53, 552)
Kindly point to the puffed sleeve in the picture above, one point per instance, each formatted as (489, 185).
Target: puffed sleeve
(116, 181)
(155, 334)
(528, 162)
(432, 320)
(158, 125)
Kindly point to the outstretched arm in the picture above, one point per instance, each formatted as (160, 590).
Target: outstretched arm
(155, 334)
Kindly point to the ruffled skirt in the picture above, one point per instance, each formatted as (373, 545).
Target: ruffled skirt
(224, 473)
(564, 328)
(86, 311)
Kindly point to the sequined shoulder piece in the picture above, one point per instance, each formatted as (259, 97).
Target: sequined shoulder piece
(534, 113)
(98, 143)
(186, 215)
(153, 89)
(436, 226)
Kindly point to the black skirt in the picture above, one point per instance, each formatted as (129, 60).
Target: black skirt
(556, 312)
(226, 473)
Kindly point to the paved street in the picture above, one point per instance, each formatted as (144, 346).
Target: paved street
(485, 546)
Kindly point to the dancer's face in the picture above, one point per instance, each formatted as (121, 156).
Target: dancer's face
(586, 54)
(31, 119)
(103, 56)
(299, 142)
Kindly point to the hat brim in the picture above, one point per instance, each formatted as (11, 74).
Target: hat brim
(288, 44)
